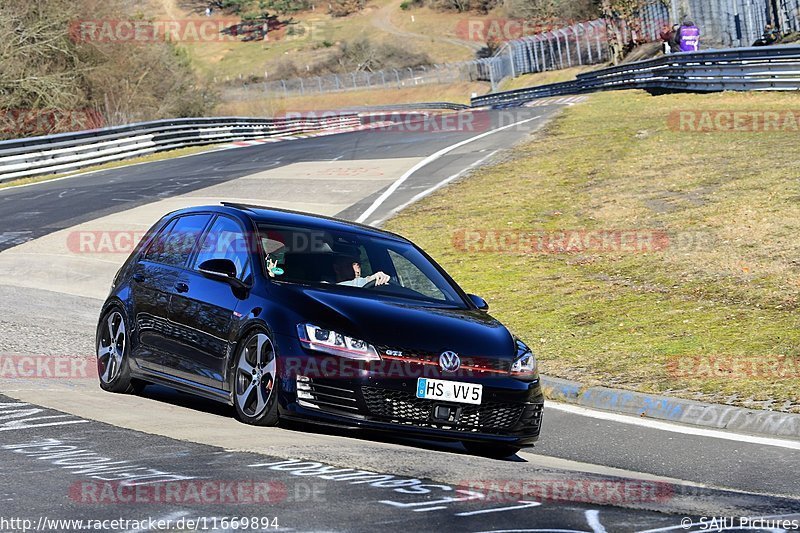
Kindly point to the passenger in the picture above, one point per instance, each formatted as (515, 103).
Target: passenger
(348, 271)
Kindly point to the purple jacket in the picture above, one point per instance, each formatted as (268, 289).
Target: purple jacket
(689, 38)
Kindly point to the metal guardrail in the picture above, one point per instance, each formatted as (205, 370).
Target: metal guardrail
(740, 69)
(66, 152)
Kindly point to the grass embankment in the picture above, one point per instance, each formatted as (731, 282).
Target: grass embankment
(725, 287)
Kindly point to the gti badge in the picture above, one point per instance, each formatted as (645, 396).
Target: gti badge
(449, 361)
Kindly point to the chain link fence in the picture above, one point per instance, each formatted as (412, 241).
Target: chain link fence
(354, 81)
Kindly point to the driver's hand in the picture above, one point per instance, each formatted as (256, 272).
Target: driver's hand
(380, 278)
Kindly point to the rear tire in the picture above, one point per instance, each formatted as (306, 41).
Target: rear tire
(113, 352)
(494, 451)
(254, 387)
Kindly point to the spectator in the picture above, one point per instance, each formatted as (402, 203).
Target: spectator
(669, 44)
(688, 36)
(770, 36)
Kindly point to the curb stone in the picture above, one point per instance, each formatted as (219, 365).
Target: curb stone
(739, 419)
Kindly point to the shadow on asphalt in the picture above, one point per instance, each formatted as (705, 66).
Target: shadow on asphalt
(165, 394)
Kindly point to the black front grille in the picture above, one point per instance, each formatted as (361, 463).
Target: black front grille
(405, 407)
(531, 419)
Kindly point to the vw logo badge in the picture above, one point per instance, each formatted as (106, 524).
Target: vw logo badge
(449, 361)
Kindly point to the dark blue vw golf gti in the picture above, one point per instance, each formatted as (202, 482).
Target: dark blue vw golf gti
(286, 315)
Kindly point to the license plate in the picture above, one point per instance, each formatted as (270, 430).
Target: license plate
(449, 391)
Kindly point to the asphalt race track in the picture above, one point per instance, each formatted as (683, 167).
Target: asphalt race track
(65, 445)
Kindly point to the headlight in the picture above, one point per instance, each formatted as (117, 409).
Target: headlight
(524, 366)
(325, 340)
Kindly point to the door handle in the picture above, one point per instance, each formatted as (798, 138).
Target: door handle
(181, 287)
(138, 277)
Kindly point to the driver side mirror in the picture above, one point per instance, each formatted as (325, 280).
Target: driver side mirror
(223, 269)
(479, 302)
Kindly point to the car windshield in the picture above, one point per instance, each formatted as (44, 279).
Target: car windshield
(353, 262)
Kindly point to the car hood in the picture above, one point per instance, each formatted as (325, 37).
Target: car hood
(390, 323)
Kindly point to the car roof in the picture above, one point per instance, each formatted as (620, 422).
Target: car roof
(274, 215)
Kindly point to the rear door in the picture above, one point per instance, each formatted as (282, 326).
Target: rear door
(204, 307)
(153, 281)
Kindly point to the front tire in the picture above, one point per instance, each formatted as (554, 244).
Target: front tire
(493, 451)
(254, 388)
(112, 352)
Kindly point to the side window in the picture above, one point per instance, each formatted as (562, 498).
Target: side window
(175, 242)
(159, 243)
(411, 277)
(226, 240)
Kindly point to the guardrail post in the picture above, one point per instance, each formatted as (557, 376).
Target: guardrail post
(397, 76)
(302, 87)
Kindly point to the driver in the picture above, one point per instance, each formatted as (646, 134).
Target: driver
(349, 270)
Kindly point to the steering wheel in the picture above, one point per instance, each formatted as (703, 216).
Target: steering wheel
(371, 283)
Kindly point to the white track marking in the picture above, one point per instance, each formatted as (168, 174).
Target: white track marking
(523, 505)
(675, 428)
(439, 185)
(593, 518)
(431, 158)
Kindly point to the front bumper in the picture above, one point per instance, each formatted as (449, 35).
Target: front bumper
(510, 411)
